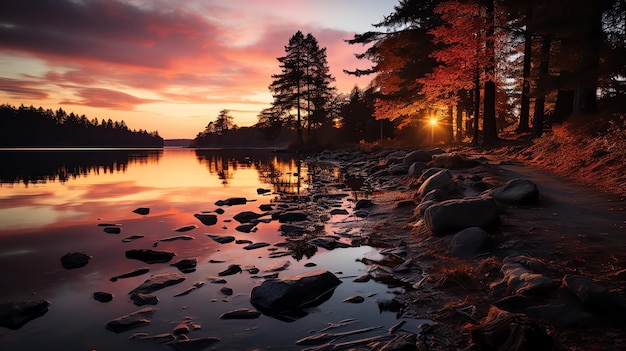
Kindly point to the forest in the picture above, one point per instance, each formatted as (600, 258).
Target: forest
(36, 127)
(473, 71)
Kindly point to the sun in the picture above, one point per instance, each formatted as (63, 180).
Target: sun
(433, 122)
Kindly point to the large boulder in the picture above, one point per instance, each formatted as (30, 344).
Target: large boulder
(159, 281)
(521, 277)
(417, 156)
(453, 215)
(453, 161)
(14, 314)
(246, 216)
(469, 242)
(74, 260)
(516, 192)
(593, 295)
(441, 180)
(206, 218)
(288, 293)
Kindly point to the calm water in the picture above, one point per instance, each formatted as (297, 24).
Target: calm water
(51, 203)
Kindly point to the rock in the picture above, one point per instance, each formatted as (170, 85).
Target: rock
(206, 218)
(338, 211)
(520, 279)
(222, 239)
(399, 169)
(254, 246)
(245, 228)
(132, 238)
(251, 269)
(469, 242)
(131, 321)
(232, 201)
(593, 295)
(516, 192)
(262, 191)
(215, 280)
(196, 285)
(363, 203)
(176, 238)
(74, 260)
(327, 242)
(232, 269)
(14, 314)
(159, 281)
(243, 241)
(454, 215)
(416, 169)
(354, 299)
(266, 207)
(420, 210)
(181, 328)
(193, 344)
(406, 204)
(140, 299)
(241, 313)
(417, 156)
(226, 291)
(361, 214)
(292, 229)
(142, 211)
(112, 230)
(364, 278)
(150, 256)
(186, 228)
(187, 265)
(441, 180)
(277, 267)
(429, 173)
(102, 296)
(219, 211)
(136, 272)
(292, 216)
(453, 161)
(294, 292)
(246, 216)
(503, 330)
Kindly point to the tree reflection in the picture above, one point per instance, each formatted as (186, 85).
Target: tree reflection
(42, 166)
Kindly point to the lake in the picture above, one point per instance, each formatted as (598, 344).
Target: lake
(52, 202)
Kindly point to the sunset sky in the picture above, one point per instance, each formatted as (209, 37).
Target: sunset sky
(168, 65)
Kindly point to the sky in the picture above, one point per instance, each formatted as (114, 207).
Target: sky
(168, 65)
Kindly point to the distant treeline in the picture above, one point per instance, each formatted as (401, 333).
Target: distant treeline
(36, 127)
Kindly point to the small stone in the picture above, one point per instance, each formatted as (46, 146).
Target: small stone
(102, 296)
(142, 211)
(226, 291)
(74, 260)
(354, 299)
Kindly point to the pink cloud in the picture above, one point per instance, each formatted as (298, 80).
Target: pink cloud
(98, 97)
(20, 89)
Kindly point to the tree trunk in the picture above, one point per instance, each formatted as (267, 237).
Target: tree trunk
(522, 127)
(476, 106)
(585, 100)
(541, 87)
(459, 121)
(449, 123)
(490, 132)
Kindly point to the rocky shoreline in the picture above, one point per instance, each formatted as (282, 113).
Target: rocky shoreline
(451, 228)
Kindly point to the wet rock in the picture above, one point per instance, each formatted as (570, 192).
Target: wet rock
(159, 281)
(132, 238)
(232, 269)
(14, 314)
(136, 272)
(453, 161)
(338, 211)
(454, 215)
(406, 204)
(364, 278)
(292, 229)
(222, 239)
(226, 291)
(243, 241)
(420, 210)
(593, 295)
(354, 299)
(131, 321)
(75, 260)
(262, 191)
(251, 269)
(516, 192)
(140, 299)
(142, 211)
(255, 246)
(215, 280)
(363, 203)
(327, 242)
(266, 207)
(246, 216)
(150, 256)
(159, 338)
(193, 344)
(232, 201)
(277, 267)
(310, 264)
(520, 279)
(399, 169)
(206, 218)
(245, 228)
(441, 180)
(112, 230)
(176, 238)
(102, 296)
(429, 173)
(294, 292)
(187, 265)
(416, 169)
(186, 228)
(417, 156)
(241, 313)
(292, 216)
(219, 211)
(502, 328)
(469, 242)
(181, 328)
(196, 285)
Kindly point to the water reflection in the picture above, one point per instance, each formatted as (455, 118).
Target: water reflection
(283, 171)
(42, 166)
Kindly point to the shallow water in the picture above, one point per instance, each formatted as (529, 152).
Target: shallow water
(51, 203)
